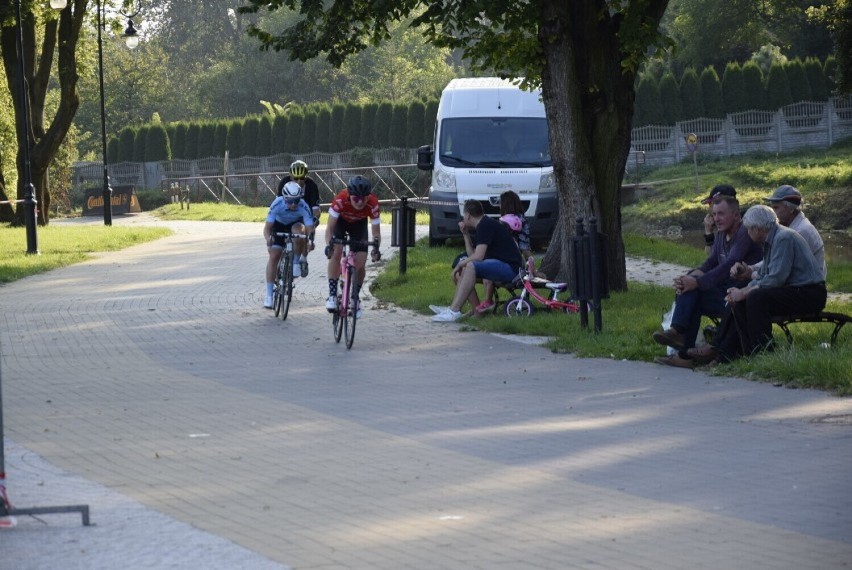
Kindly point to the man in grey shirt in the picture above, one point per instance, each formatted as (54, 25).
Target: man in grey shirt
(786, 202)
(789, 282)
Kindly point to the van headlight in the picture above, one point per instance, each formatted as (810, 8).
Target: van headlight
(547, 183)
(444, 180)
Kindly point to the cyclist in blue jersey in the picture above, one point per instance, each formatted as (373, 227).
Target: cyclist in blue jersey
(287, 213)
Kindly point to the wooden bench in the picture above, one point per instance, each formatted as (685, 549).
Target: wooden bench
(839, 319)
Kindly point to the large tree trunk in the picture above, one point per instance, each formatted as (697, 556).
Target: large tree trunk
(43, 142)
(588, 94)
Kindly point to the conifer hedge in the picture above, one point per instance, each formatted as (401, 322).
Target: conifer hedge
(777, 87)
(157, 144)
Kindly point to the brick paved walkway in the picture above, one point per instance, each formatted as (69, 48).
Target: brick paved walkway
(156, 373)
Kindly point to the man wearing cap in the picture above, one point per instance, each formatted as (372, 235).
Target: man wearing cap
(709, 226)
(786, 202)
(702, 290)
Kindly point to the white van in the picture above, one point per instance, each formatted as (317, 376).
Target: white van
(490, 137)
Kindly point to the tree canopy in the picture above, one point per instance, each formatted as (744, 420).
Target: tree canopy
(584, 54)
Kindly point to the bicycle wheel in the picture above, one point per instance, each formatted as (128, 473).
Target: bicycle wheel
(287, 286)
(337, 318)
(517, 307)
(278, 288)
(351, 312)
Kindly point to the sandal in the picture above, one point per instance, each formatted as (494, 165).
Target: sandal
(484, 307)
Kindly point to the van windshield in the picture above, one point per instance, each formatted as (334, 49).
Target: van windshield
(495, 142)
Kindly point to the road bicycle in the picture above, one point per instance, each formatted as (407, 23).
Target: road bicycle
(345, 316)
(282, 287)
(521, 306)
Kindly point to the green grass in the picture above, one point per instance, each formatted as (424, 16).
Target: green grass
(629, 318)
(62, 245)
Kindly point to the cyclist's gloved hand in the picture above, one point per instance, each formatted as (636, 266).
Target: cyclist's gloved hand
(328, 251)
(375, 255)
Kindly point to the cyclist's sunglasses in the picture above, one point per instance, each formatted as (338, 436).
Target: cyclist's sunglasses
(298, 178)
(356, 198)
(292, 201)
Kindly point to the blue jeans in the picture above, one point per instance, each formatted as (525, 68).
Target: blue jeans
(495, 270)
(690, 306)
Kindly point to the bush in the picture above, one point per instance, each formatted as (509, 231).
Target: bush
(151, 199)
(649, 108)
(800, 88)
(429, 119)
(139, 144)
(753, 85)
(112, 150)
(294, 132)
(670, 99)
(179, 142)
(734, 96)
(384, 117)
(235, 138)
(190, 151)
(279, 134)
(692, 103)
(125, 144)
(323, 125)
(777, 87)
(157, 144)
(220, 138)
(414, 124)
(336, 128)
(351, 132)
(399, 123)
(264, 136)
(816, 79)
(368, 125)
(206, 134)
(711, 92)
(832, 81)
(248, 142)
(308, 133)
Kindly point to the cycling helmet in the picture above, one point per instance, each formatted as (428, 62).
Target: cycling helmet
(359, 186)
(299, 169)
(514, 222)
(291, 190)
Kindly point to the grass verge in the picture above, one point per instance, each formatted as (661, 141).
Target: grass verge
(629, 319)
(65, 245)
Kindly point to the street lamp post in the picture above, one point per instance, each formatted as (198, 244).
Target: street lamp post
(107, 190)
(30, 201)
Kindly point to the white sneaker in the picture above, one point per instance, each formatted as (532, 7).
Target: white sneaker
(437, 309)
(358, 311)
(303, 265)
(448, 316)
(297, 270)
(331, 304)
(267, 304)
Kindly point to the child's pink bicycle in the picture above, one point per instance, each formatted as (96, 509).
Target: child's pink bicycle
(521, 306)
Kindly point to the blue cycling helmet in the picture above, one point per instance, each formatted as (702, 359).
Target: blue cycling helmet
(359, 186)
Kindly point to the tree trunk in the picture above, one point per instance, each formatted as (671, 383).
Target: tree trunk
(588, 94)
(43, 142)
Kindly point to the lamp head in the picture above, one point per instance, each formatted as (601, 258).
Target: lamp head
(131, 36)
(58, 4)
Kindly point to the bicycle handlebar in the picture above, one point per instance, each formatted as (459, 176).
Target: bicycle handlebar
(288, 235)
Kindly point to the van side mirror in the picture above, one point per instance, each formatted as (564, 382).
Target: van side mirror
(424, 157)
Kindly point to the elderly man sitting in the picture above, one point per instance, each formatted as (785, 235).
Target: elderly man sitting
(789, 282)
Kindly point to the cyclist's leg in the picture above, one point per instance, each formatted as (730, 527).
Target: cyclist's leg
(358, 233)
(274, 251)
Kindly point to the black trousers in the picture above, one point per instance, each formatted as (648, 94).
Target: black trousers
(746, 327)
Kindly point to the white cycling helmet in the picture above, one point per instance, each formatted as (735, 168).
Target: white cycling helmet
(292, 190)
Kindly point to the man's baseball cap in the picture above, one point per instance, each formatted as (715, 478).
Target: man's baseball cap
(786, 193)
(720, 190)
